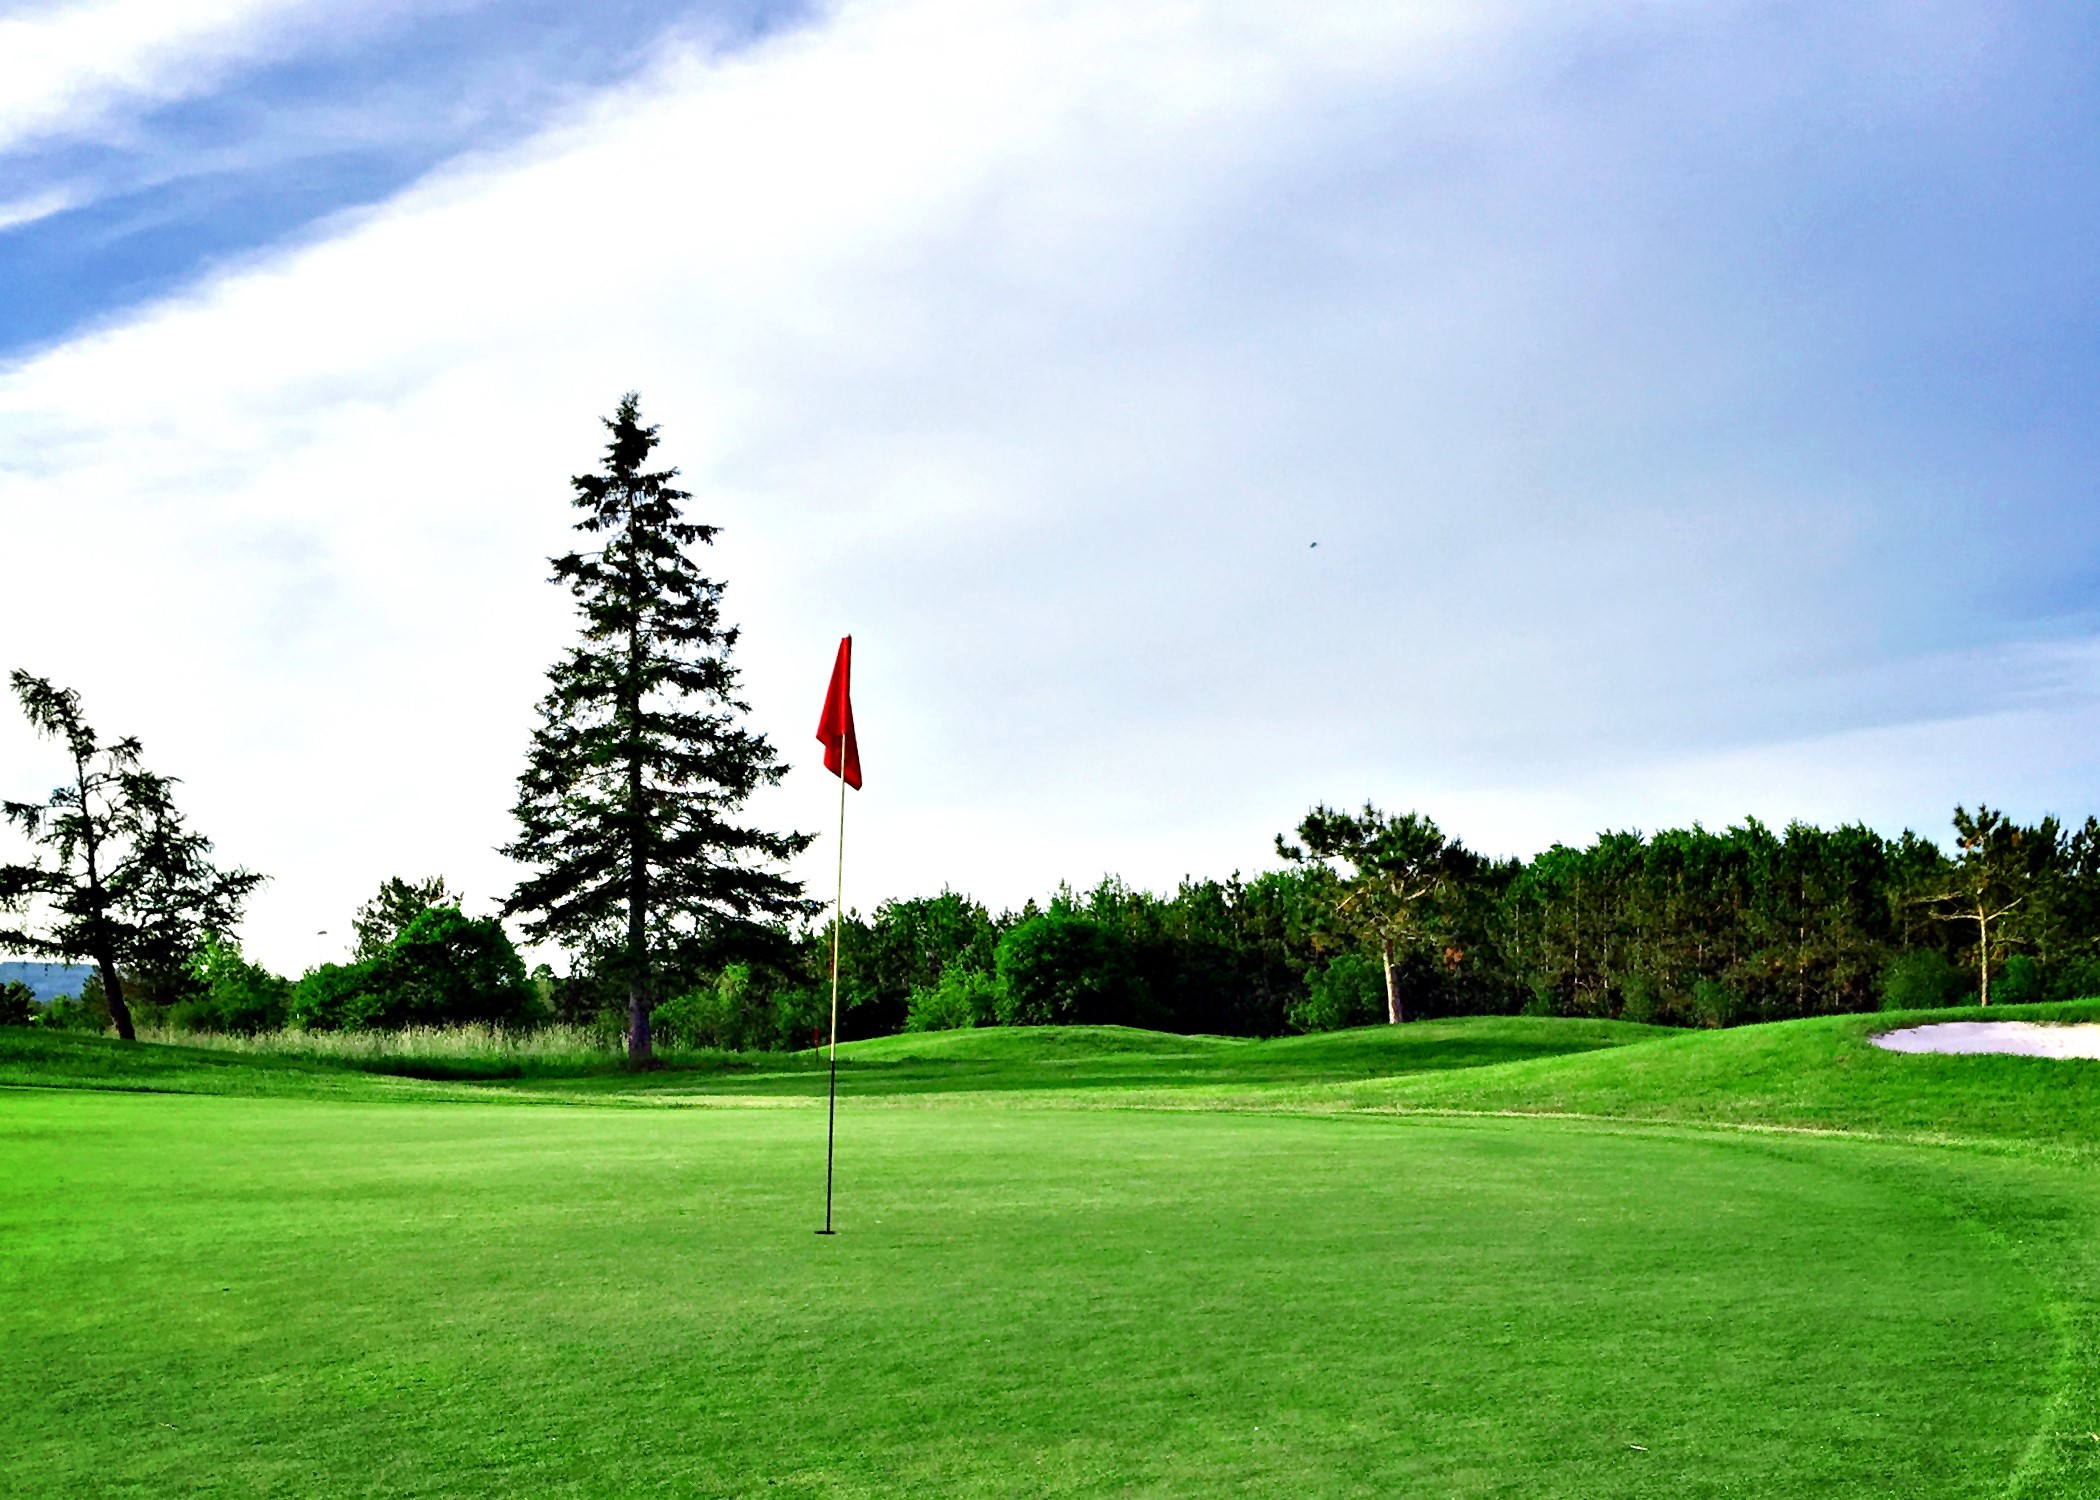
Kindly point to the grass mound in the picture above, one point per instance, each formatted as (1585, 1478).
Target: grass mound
(1456, 1042)
(34, 1058)
(1823, 1073)
(1024, 1044)
(1069, 1060)
(1108, 1063)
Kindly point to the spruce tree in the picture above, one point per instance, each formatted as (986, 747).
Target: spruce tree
(640, 762)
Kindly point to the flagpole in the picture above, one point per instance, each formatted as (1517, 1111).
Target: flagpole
(838, 907)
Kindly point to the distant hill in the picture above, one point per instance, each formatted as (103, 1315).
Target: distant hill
(47, 981)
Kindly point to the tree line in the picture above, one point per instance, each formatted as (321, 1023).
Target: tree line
(678, 921)
(1685, 927)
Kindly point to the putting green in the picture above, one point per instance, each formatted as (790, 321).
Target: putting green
(295, 1297)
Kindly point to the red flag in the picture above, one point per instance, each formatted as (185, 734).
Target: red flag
(835, 729)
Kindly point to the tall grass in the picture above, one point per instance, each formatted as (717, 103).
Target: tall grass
(465, 1043)
(466, 1051)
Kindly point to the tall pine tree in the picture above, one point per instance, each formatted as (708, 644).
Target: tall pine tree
(1399, 863)
(640, 762)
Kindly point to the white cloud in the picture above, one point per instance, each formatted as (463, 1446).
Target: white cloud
(28, 210)
(64, 69)
(1031, 343)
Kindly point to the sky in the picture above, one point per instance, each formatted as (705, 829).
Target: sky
(1551, 417)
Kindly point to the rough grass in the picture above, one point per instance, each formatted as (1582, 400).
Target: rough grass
(465, 1051)
(286, 1061)
(472, 1044)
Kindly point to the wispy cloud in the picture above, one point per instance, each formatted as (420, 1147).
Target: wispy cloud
(228, 132)
(67, 69)
(37, 206)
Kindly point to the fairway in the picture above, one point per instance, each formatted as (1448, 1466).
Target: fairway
(243, 1296)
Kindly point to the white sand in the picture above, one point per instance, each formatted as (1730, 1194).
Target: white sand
(2021, 1038)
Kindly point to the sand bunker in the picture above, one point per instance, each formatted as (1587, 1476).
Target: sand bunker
(2021, 1038)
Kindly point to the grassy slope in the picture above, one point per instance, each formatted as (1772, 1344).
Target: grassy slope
(40, 1059)
(1104, 1064)
(1465, 1041)
(1820, 1074)
(1057, 1059)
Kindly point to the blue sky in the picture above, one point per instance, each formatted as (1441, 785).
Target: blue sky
(136, 197)
(1694, 406)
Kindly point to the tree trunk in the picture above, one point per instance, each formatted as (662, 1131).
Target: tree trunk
(640, 1051)
(1983, 951)
(98, 926)
(113, 990)
(1392, 990)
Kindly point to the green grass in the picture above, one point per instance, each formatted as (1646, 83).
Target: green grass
(1112, 1064)
(1072, 1262)
(1821, 1074)
(1070, 1060)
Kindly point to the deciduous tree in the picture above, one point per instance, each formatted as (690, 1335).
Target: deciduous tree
(387, 915)
(116, 877)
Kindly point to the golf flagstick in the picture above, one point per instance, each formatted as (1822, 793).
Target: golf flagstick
(842, 758)
(831, 1108)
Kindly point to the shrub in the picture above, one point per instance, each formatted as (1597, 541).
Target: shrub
(1715, 1004)
(961, 998)
(334, 997)
(445, 968)
(744, 1009)
(89, 1011)
(2077, 980)
(2021, 983)
(1060, 969)
(799, 1017)
(72, 1013)
(1349, 991)
(233, 995)
(17, 1003)
(1642, 998)
(710, 1015)
(1921, 979)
